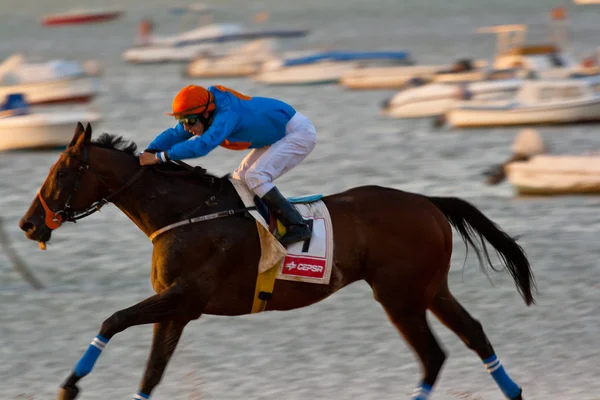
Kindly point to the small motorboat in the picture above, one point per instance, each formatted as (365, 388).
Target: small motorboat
(538, 101)
(56, 81)
(533, 172)
(434, 99)
(397, 77)
(324, 67)
(76, 17)
(201, 42)
(22, 128)
(204, 40)
(240, 61)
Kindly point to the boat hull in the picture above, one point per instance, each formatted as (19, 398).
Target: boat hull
(165, 54)
(577, 111)
(319, 73)
(555, 175)
(73, 90)
(83, 18)
(41, 131)
(206, 68)
(436, 99)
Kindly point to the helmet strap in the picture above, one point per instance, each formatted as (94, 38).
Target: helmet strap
(206, 120)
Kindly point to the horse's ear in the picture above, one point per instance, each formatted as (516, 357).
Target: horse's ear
(82, 135)
(79, 129)
(88, 130)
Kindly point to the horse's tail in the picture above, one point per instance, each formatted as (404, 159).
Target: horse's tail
(470, 223)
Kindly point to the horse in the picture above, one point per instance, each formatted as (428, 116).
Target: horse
(400, 243)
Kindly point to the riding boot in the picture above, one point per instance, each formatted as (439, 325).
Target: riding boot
(297, 228)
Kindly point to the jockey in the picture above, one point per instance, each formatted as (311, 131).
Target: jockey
(218, 116)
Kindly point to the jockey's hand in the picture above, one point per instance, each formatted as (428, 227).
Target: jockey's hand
(148, 159)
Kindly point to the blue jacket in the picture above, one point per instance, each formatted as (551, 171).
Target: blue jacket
(240, 122)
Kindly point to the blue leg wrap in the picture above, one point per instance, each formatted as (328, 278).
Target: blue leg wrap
(86, 363)
(507, 385)
(421, 392)
(141, 396)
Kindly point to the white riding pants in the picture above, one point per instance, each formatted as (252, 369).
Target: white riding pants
(262, 166)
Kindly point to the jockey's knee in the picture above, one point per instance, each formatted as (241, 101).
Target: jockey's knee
(240, 175)
(257, 180)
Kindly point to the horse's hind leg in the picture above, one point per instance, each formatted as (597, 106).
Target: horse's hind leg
(410, 319)
(457, 319)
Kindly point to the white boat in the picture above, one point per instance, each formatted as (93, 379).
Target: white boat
(68, 90)
(236, 62)
(513, 59)
(188, 49)
(18, 68)
(24, 128)
(555, 174)
(399, 76)
(435, 99)
(323, 67)
(511, 53)
(181, 47)
(55, 81)
(544, 101)
(532, 172)
(203, 40)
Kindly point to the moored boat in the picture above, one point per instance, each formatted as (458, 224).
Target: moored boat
(76, 17)
(538, 101)
(24, 128)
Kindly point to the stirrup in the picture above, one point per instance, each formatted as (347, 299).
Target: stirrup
(296, 236)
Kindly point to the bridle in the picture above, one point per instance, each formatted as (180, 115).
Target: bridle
(54, 219)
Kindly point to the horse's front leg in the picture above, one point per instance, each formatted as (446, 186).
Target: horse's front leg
(174, 304)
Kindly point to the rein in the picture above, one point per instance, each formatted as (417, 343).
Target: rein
(54, 219)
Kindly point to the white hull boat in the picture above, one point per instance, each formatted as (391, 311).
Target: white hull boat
(203, 40)
(164, 54)
(556, 175)
(54, 81)
(395, 77)
(322, 67)
(324, 72)
(182, 47)
(41, 130)
(17, 69)
(385, 77)
(532, 172)
(70, 90)
(237, 62)
(537, 102)
(435, 99)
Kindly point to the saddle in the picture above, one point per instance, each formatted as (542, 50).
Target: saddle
(275, 226)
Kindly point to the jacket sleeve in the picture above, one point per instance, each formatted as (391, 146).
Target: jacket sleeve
(169, 137)
(223, 125)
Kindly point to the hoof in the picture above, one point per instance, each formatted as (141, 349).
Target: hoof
(519, 397)
(67, 393)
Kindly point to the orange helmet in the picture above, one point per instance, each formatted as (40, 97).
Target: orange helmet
(192, 99)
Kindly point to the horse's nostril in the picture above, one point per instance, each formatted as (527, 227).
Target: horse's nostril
(27, 226)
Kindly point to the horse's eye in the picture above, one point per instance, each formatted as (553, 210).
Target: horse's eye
(61, 174)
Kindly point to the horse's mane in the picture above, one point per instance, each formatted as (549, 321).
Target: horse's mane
(108, 141)
(114, 142)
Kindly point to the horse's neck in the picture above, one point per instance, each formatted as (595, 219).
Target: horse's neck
(157, 200)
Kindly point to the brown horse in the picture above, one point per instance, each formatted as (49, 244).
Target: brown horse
(399, 243)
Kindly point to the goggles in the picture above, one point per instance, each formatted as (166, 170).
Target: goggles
(189, 119)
